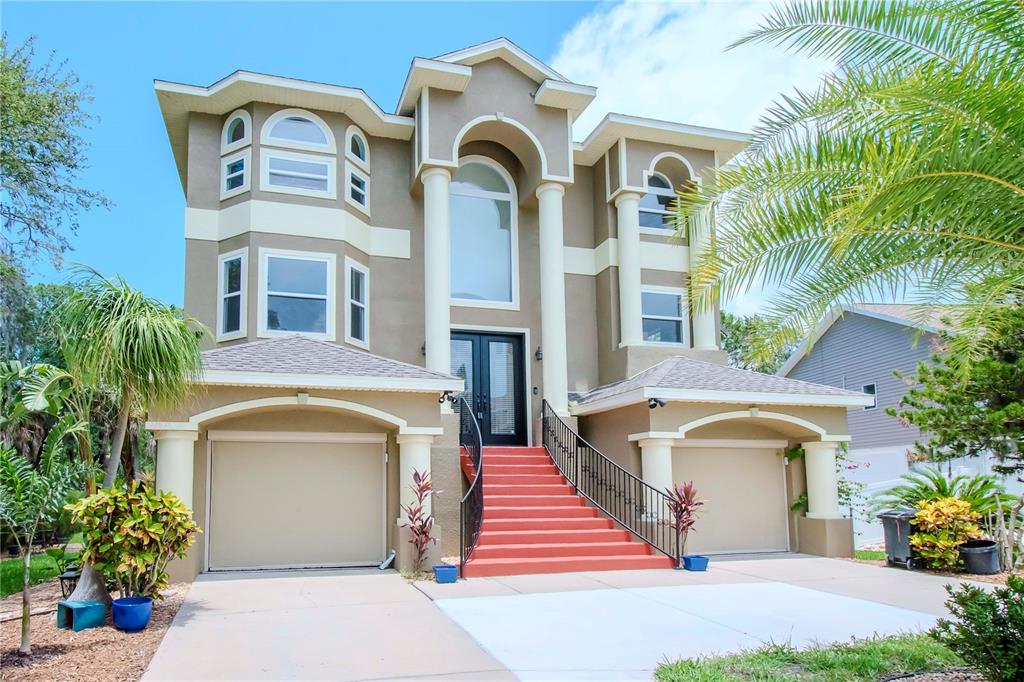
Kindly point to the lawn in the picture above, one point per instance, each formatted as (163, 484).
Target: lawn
(43, 568)
(860, 660)
(870, 554)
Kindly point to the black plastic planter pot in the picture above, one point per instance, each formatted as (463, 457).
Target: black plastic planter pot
(981, 557)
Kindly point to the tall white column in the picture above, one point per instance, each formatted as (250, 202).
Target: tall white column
(175, 453)
(822, 482)
(436, 268)
(656, 462)
(552, 297)
(413, 455)
(627, 207)
(704, 337)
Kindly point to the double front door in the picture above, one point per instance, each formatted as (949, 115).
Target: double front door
(491, 365)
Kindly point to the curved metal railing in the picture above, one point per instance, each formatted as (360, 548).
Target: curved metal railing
(471, 513)
(635, 505)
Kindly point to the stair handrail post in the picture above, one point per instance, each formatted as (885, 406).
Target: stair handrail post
(471, 507)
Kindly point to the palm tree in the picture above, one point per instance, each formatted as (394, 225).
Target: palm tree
(900, 176)
(116, 338)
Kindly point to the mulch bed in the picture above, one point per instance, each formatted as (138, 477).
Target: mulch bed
(995, 578)
(103, 654)
(957, 675)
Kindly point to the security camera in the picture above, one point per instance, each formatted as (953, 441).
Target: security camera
(655, 402)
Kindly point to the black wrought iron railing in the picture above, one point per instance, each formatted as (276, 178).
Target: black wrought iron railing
(471, 514)
(636, 506)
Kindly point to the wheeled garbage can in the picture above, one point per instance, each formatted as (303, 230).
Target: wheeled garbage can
(896, 526)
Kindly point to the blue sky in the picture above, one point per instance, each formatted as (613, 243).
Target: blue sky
(646, 58)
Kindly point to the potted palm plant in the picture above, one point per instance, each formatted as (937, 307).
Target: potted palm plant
(684, 506)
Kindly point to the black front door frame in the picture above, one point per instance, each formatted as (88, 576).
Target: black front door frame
(481, 389)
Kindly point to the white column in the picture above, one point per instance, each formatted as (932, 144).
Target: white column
(822, 482)
(413, 455)
(175, 453)
(656, 462)
(703, 322)
(436, 268)
(627, 207)
(552, 297)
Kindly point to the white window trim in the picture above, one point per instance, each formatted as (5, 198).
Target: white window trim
(874, 396)
(684, 320)
(267, 139)
(351, 265)
(513, 198)
(243, 295)
(350, 170)
(261, 312)
(662, 192)
(354, 131)
(326, 160)
(246, 156)
(228, 147)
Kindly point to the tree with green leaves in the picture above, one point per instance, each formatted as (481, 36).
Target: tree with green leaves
(738, 340)
(900, 176)
(42, 152)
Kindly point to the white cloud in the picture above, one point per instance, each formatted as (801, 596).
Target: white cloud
(666, 60)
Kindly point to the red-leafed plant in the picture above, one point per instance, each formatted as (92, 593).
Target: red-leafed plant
(684, 505)
(419, 522)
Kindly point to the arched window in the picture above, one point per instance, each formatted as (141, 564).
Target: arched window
(357, 149)
(298, 129)
(357, 169)
(655, 206)
(235, 155)
(237, 131)
(483, 235)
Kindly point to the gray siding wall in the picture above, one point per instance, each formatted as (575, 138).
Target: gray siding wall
(859, 350)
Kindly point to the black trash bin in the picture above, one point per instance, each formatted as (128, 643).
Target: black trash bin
(896, 526)
(981, 557)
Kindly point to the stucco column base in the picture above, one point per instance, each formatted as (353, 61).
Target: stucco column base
(825, 537)
(407, 553)
(538, 428)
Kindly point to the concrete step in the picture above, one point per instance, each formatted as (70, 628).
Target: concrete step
(492, 479)
(567, 512)
(548, 537)
(501, 500)
(505, 489)
(546, 523)
(560, 549)
(494, 567)
(520, 469)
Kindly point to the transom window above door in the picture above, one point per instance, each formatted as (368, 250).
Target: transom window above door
(484, 240)
(296, 293)
(655, 206)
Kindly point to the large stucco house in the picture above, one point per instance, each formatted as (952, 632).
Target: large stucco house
(358, 266)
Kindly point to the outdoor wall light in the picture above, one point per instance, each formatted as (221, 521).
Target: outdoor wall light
(539, 354)
(655, 402)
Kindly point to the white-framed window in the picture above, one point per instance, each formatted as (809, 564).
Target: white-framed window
(358, 192)
(298, 129)
(357, 303)
(655, 206)
(237, 131)
(871, 390)
(232, 275)
(291, 173)
(484, 235)
(357, 148)
(664, 315)
(296, 290)
(234, 173)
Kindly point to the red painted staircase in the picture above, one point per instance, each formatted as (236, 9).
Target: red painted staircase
(534, 522)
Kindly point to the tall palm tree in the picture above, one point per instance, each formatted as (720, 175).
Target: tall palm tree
(901, 175)
(117, 338)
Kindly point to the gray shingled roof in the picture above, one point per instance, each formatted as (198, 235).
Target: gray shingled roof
(296, 354)
(909, 314)
(681, 373)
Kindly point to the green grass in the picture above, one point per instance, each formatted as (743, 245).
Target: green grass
(859, 660)
(870, 554)
(43, 568)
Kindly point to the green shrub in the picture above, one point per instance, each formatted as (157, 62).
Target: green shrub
(942, 526)
(988, 628)
(131, 534)
(930, 483)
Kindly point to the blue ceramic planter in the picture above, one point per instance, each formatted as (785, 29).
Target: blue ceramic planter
(695, 562)
(131, 614)
(445, 573)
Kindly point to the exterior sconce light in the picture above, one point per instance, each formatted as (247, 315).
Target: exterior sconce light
(539, 354)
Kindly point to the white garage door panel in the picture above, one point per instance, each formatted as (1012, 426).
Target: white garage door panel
(744, 494)
(296, 504)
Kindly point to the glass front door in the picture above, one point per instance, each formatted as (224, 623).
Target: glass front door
(491, 365)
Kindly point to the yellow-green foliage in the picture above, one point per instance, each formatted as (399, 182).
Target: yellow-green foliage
(131, 534)
(942, 526)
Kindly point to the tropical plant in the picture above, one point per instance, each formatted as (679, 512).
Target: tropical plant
(982, 492)
(941, 527)
(987, 628)
(31, 497)
(132, 533)
(419, 522)
(900, 175)
(684, 505)
(116, 338)
(738, 332)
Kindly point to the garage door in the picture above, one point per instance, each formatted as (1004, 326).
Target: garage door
(745, 498)
(295, 504)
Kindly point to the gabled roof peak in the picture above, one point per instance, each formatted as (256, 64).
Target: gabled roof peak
(505, 49)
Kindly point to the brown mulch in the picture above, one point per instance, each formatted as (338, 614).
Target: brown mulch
(44, 595)
(103, 654)
(956, 675)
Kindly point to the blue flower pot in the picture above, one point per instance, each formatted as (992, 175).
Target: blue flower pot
(445, 573)
(695, 562)
(131, 614)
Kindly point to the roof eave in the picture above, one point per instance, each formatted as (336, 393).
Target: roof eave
(727, 143)
(735, 397)
(330, 381)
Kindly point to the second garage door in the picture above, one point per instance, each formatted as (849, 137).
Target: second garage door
(745, 498)
(288, 504)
